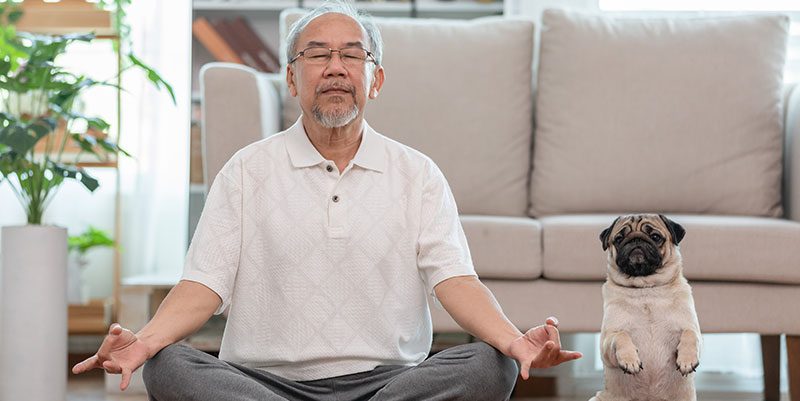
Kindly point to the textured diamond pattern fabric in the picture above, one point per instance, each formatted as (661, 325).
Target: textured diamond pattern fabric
(325, 274)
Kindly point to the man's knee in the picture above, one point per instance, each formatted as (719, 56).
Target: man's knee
(165, 364)
(493, 372)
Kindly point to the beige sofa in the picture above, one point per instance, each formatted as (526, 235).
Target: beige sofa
(686, 116)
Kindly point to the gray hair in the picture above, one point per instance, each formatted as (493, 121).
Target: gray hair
(339, 7)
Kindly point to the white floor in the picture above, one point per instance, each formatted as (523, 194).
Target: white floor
(91, 389)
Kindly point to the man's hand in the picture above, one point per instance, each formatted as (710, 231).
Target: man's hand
(540, 347)
(121, 352)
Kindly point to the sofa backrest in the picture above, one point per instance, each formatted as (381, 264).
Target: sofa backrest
(674, 115)
(669, 115)
(460, 92)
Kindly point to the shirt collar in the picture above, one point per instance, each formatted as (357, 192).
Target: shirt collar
(371, 153)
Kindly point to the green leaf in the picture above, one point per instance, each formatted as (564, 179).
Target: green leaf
(91, 238)
(86, 142)
(97, 123)
(18, 139)
(153, 76)
(41, 127)
(112, 147)
(14, 16)
(5, 65)
(88, 181)
(74, 172)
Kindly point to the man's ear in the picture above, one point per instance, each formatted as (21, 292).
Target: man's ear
(290, 80)
(377, 82)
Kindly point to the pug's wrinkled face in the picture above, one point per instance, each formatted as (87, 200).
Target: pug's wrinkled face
(642, 249)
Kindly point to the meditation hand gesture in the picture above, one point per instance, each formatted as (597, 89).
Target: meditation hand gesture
(540, 347)
(121, 352)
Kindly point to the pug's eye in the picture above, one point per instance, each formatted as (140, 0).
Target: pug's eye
(656, 237)
(618, 238)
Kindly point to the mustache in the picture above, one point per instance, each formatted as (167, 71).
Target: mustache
(336, 86)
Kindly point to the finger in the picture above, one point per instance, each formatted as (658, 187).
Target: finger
(525, 368)
(565, 356)
(126, 379)
(552, 334)
(552, 321)
(553, 353)
(541, 357)
(115, 329)
(112, 367)
(87, 364)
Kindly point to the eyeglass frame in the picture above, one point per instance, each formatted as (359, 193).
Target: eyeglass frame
(370, 56)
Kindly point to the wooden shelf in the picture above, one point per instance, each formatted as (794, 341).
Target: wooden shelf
(109, 164)
(92, 318)
(395, 6)
(65, 16)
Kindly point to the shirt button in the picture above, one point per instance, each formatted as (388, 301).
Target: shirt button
(335, 198)
(329, 168)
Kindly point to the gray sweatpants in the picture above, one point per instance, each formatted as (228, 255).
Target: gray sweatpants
(466, 372)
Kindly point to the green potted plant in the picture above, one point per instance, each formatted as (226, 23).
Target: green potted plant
(40, 119)
(79, 246)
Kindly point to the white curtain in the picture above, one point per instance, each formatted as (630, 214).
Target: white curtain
(155, 184)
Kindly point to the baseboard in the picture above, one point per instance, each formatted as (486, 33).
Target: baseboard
(727, 385)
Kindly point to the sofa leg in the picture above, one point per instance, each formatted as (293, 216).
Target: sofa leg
(793, 352)
(771, 360)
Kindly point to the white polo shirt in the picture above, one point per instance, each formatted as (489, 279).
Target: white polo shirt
(326, 274)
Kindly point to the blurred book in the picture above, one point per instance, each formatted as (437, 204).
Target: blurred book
(254, 45)
(235, 41)
(211, 39)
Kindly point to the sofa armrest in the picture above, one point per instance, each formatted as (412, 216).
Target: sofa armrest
(239, 106)
(791, 168)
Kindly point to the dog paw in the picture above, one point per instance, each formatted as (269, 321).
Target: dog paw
(629, 362)
(687, 364)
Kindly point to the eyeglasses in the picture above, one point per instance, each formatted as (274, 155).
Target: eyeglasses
(350, 56)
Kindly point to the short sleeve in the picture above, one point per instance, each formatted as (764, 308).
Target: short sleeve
(213, 256)
(442, 246)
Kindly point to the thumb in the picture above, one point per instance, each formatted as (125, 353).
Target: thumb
(87, 364)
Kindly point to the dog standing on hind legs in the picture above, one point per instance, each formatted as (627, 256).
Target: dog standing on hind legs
(650, 337)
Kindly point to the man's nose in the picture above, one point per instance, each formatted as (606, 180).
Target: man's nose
(335, 66)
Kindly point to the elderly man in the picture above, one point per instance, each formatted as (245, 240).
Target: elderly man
(322, 243)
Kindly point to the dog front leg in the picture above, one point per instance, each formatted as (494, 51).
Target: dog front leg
(620, 352)
(688, 352)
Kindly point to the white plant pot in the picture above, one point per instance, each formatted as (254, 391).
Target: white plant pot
(77, 287)
(33, 313)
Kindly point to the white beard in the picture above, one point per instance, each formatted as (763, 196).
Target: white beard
(334, 119)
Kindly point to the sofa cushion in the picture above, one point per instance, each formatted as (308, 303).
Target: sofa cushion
(671, 115)
(460, 92)
(715, 248)
(721, 307)
(504, 247)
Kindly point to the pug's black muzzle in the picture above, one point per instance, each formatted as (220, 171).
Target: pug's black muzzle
(638, 257)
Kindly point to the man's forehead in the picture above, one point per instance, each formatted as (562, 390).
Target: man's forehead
(333, 29)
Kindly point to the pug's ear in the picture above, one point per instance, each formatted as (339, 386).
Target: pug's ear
(676, 231)
(606, 233)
